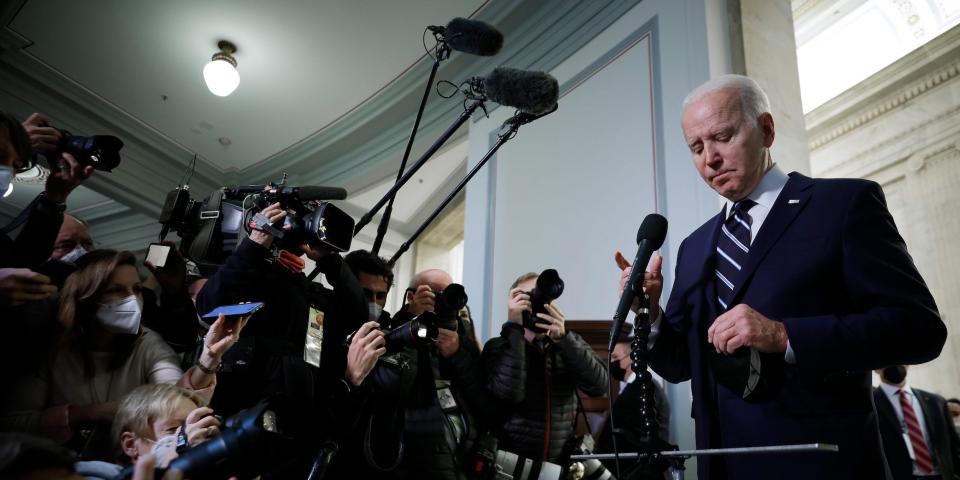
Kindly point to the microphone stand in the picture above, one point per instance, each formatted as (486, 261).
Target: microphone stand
(512, 125)
(441, 53)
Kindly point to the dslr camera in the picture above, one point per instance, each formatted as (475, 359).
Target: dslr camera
(212, 229)
(549, 287)
(102, 152)
(424, 329)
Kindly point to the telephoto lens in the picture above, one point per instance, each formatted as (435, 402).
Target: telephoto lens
(549, 288)
(449, 302)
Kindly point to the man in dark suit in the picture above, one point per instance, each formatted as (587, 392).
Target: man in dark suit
(784, 301)
(919, 440)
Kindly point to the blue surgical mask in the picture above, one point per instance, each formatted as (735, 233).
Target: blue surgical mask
(72, 256)
(6, 176)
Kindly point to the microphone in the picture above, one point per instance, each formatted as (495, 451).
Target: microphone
(650, 237)
(470, 36)
(529, 91)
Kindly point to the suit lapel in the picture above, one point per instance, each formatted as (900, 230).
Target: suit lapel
(706, 262)
(928, 407)
(791, 201)
(885, 408)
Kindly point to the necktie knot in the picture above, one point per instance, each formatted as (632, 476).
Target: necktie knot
(743, 206)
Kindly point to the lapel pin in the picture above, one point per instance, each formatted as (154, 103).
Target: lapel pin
(793, 201)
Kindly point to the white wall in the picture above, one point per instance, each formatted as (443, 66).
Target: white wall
(573, 187)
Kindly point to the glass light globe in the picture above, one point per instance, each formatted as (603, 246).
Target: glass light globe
(221, 77)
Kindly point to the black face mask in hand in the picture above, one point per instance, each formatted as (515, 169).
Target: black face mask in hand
(895, 374)
(617, 372)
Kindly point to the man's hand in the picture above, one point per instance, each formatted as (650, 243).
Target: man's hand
(448, 342)
(424, 300)
(19, 286)
(201, 425)
(742, 326)
(555, 330)
(145, 469)
(366, 346)
(275, 214)
(43, 137)
(315, 253)
(518, 303)
(66, 173)
(172, 276)
(652, 282)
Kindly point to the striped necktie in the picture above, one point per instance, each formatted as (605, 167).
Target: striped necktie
(733, 247)
(920, 451)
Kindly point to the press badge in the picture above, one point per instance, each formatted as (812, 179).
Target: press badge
(312, 344)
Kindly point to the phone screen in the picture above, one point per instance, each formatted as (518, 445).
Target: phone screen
(240, 310)
(157, 254)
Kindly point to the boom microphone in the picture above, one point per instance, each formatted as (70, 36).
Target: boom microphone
(650, 237)
(470, 36)
(528, 91)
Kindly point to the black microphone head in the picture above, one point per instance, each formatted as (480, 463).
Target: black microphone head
(528, 91)
(473, 37)
(654, 229)
(308, 193)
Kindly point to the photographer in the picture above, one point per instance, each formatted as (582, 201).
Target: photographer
(536, 377)
(376, 278)
(275, 355)
(433, 393)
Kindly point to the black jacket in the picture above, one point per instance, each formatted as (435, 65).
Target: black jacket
(34, 244)
(537, 385)
(944, 448)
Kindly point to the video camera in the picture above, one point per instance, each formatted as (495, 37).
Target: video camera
(212, 229)
(549, 288)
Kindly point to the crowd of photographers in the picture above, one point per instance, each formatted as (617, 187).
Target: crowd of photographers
(319, 382)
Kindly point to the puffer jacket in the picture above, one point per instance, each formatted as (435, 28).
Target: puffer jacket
(537, 385)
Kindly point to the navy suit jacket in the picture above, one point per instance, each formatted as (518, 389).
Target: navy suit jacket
(829, 263)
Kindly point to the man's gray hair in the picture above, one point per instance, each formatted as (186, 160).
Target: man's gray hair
(753, 100)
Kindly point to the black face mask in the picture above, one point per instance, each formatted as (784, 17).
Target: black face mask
(895, 374)
(617, 372)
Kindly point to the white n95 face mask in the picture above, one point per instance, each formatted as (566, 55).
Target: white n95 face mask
(74, 254)
(121, 316)
(6, 177)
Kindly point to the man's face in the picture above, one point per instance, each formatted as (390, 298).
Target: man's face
(436, 279)
(728, 150)
(375, 288)
(8, 155)
(72, 233)
(954, 410)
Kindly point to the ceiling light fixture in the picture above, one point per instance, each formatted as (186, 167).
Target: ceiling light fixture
(221, 73)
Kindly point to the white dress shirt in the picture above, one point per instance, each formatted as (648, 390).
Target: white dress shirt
(890, 391)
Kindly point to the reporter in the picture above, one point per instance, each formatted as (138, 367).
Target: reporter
(104, 353)
(151, 412)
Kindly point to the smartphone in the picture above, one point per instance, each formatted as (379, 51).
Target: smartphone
(157, 254)
(238, 310)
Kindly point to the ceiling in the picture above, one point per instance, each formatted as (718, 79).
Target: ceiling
(328, 93)
(842, 42)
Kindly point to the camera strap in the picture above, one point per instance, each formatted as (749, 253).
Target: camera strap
(210, 217)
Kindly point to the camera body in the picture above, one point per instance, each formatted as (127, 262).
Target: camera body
(448, 303)
(549, 287)
(211, 229)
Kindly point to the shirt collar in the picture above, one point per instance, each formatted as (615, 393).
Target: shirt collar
(767, 190)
